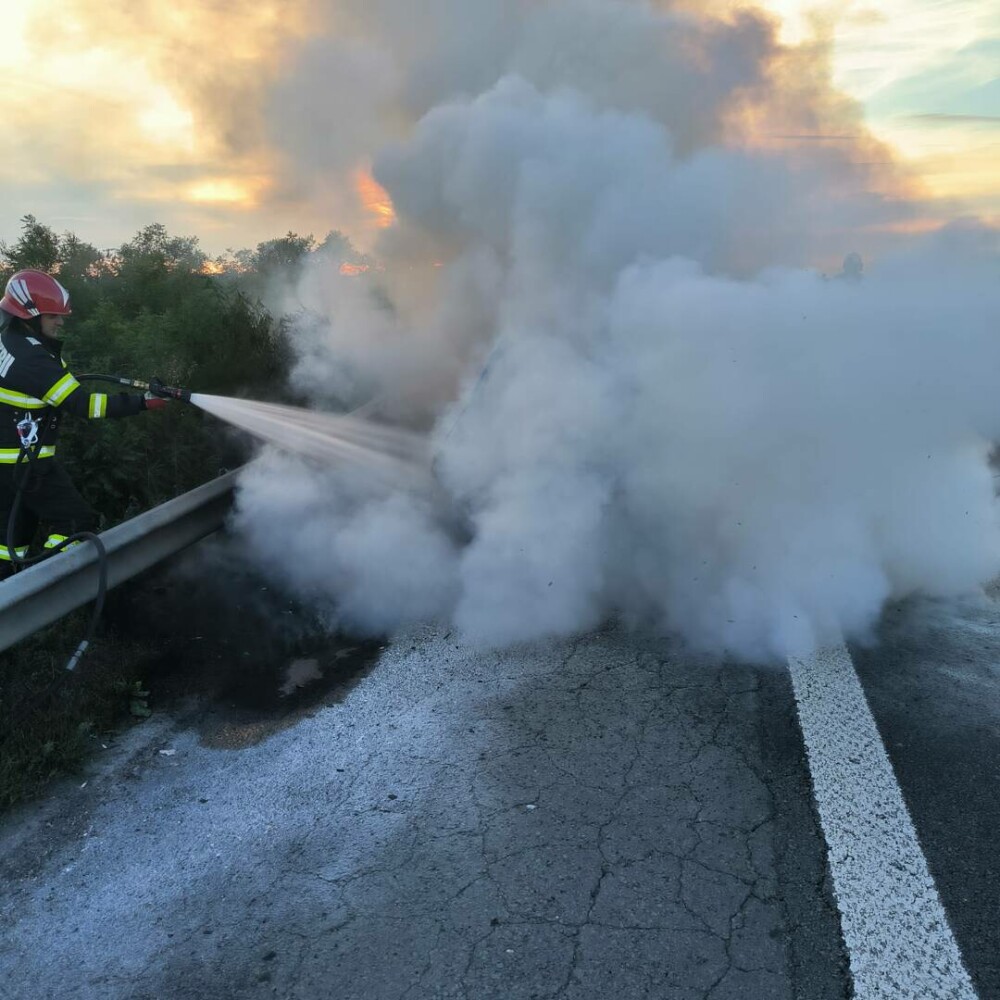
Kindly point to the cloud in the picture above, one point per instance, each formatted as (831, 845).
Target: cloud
(109, 93)
(958, 119)
(961, 80)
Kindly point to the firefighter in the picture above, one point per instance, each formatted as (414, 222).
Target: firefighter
(36, 389)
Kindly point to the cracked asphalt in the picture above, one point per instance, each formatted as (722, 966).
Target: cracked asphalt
(601, 818)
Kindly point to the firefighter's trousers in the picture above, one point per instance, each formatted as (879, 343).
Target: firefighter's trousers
(49, 499)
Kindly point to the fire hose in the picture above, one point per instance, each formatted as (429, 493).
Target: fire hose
(32, 433)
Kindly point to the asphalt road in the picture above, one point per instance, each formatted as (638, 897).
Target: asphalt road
(601, 818)
(933, 683)
(596, 818)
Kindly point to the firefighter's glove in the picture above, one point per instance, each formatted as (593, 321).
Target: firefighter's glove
(151, 402)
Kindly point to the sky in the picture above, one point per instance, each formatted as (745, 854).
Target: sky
(238, 122)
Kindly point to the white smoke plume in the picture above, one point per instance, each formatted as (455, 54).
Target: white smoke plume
(619, 211)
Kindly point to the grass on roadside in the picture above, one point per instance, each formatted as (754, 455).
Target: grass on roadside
(49, 718)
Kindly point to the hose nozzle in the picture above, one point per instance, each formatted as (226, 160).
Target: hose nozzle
(157, 388)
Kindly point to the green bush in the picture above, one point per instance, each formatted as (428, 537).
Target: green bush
(50, 720)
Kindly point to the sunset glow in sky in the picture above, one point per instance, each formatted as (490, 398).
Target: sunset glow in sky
(122, 113)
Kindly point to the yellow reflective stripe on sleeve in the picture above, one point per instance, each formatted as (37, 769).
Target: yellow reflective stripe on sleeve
(20, 400)
(60, 390)
(9, 456)
(98, 405)
(5, 552)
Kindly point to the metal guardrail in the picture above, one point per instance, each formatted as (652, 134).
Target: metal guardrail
(42, 594)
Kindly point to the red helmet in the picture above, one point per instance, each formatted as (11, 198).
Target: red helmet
(35, 293)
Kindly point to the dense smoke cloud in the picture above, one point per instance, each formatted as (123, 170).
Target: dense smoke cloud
(601, 299)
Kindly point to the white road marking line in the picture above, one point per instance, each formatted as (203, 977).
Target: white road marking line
(897, 935)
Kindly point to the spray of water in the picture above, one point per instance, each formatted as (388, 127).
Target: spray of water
(390, 456)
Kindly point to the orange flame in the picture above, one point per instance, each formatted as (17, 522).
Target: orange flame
(353, 269)
(375, 198)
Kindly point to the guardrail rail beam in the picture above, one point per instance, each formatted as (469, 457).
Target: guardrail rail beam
(44, 593)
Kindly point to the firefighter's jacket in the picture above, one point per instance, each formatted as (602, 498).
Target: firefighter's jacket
(35, 384)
